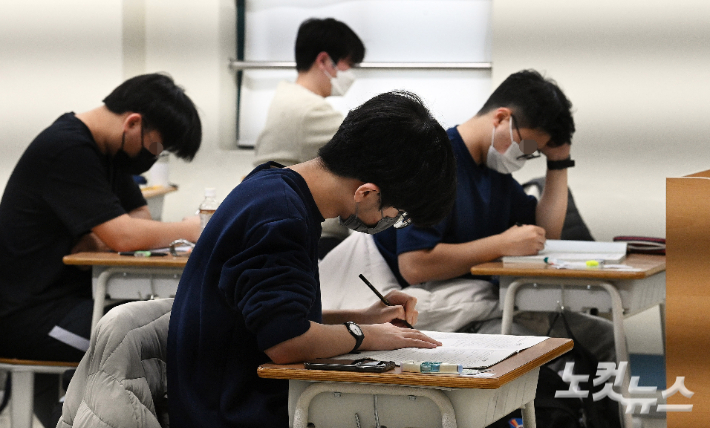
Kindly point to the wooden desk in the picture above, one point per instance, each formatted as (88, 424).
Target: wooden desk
(129, 278)
(155, 195)
(537, 287)
(325, 397)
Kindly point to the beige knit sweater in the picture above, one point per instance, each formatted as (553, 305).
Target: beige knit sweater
(299, 123)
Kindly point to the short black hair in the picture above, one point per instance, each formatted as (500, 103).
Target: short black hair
(326, 35)
(393, 141)
(537, 103)
(164, 107)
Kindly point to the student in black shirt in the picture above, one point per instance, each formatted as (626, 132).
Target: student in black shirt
(72, 190)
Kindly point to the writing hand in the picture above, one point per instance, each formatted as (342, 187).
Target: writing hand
(402, 309)
(385, 337)
(523, 240)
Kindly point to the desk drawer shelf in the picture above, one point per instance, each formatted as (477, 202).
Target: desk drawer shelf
(539, 296)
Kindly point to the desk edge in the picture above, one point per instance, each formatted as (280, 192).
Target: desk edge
(297, 372)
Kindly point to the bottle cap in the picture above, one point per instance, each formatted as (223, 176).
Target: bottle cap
(210, 192)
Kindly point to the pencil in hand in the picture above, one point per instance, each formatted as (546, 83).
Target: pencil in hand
(382, 298)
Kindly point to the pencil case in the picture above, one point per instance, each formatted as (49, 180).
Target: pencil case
(643, 244)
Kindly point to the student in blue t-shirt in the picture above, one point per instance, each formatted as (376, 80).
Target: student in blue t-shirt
(250, 292)
(525, 117)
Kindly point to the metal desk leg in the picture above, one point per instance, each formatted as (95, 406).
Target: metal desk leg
(100, 295)
(617, 314)
(529, 415)
(509, 306)
(622, 352)
(22, 398)
(300, 416)
(662, 310)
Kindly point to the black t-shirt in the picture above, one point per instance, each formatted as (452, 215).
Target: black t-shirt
(60, 189)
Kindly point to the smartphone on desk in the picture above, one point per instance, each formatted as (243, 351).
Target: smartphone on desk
(361, 365)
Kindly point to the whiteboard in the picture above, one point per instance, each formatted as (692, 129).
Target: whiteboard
(392, 31)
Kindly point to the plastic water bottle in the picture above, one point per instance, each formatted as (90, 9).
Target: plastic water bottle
(208, 206)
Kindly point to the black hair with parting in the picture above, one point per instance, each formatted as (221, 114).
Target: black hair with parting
(393, 141)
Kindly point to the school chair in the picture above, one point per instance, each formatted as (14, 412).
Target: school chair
(22, 374)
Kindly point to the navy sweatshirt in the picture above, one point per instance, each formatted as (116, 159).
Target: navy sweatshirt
(251, 283)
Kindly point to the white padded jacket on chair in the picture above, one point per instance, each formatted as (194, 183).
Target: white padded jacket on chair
(122, 378)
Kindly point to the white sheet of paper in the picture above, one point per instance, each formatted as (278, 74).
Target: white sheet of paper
(470, 350)
(571, 251)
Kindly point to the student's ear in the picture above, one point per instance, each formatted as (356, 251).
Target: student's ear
(323, 62)
(131, 121)
(501, 114)
(365, 191)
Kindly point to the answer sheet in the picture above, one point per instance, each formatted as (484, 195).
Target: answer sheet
(573, 251)
(467, 349)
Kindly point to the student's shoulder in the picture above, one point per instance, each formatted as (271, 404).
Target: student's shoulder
(292, 96)
(275, 188)
(67, 136)
(65, 132)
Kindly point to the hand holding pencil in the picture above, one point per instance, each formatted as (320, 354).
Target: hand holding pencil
(384, 300)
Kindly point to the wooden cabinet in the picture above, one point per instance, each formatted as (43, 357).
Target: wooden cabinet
(688, 295)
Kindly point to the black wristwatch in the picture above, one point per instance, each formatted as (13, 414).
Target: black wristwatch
(357, 333)
(560, 164)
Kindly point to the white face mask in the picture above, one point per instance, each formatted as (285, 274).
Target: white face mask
(508, 162)
(342, 81)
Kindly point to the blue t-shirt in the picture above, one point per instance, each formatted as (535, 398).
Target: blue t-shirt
(487, 203)
(250, 283)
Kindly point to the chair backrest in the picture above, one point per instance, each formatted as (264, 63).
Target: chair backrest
(121, 381)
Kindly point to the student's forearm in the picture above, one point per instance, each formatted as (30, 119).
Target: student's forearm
(552, 208)
(323, 341)
(141, 212)
(446, 261)
(125, 233)
(320, 341)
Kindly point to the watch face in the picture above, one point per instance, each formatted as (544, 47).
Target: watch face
(355, 329)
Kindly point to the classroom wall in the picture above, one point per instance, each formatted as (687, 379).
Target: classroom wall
(636, 72)
(54, 57)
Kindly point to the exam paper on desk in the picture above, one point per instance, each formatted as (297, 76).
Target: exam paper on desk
(574, 251)
(470, 350)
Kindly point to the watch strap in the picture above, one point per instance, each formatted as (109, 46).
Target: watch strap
(560, 164)
(358, 337)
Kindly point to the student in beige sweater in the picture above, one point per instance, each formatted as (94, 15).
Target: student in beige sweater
(300, 120)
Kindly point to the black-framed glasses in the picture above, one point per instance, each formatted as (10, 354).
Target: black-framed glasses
(528, 147)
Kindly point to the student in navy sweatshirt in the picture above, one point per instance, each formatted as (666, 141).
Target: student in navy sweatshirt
(250, 292)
